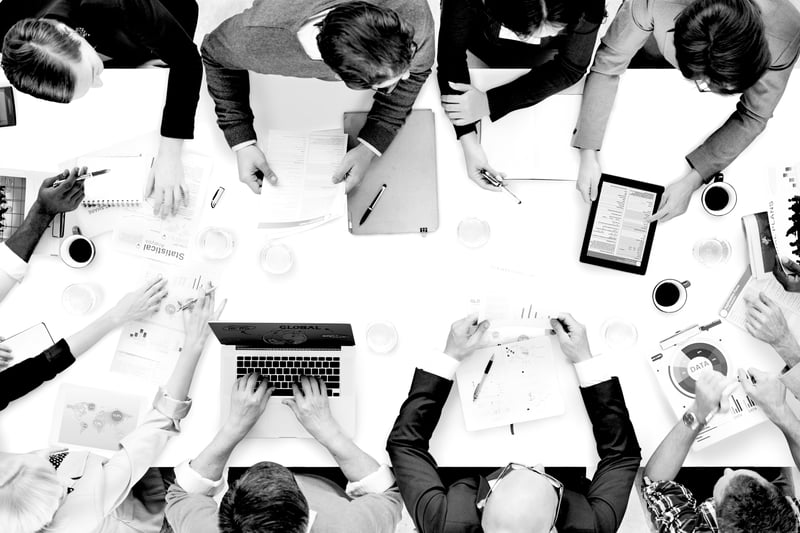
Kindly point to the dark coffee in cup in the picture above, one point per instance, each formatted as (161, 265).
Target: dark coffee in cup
(717, 198)
(80, 250)
(667, 294)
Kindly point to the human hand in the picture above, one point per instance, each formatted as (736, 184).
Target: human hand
(765, 320)
(572, 338)
(253, 168)
(248, 401)
(139, 303)
(197, 316)
(61, 198)
(166, 184)
(465, 337)
(475, 160)
(708, 394)
(311, 407)
(787, 275)
(353, 167)
(466, 108)
(588, 175)
(767, 391)
(675, 200)
(5, 355)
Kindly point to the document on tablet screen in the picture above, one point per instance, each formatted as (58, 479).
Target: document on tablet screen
(620, 226)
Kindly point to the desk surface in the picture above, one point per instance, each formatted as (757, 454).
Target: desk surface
(421, 284)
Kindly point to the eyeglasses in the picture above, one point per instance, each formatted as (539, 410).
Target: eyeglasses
(557, 485)
(702, 86)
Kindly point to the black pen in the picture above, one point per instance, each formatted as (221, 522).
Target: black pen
(366, 214)
(497, 182)
(84, 176)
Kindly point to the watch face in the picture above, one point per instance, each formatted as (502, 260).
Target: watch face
(690, 420)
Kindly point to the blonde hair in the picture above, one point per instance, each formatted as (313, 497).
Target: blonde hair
(29, 496)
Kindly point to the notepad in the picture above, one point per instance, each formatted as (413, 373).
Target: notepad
(122, 186)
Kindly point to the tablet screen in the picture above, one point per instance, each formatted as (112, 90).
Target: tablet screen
(620, 229)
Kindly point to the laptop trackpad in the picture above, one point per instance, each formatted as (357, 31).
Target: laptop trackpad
(278, 421)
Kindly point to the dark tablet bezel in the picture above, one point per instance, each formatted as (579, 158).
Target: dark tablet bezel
(651, 231)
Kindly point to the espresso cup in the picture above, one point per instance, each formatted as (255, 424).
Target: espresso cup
(669, 295)
(76, 250)
(719, 198)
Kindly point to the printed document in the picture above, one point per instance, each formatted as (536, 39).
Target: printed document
(304, 194)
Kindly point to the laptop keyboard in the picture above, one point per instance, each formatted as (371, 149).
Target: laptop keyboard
(283, 370)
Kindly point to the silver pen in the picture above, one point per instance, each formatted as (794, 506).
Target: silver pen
(497, 182)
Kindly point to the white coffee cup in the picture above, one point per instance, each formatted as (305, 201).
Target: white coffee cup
(669, 295)
(76, 250)
(276, 258)
(719, 197)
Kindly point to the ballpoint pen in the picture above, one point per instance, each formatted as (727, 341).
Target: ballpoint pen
(368, 212)
(483, 378)
(726, 392)
(84, 176)
(189, 303)
(498, 183)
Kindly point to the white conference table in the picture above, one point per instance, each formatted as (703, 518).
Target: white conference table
(421, 284)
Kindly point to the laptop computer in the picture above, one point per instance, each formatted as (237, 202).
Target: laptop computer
(282, 353)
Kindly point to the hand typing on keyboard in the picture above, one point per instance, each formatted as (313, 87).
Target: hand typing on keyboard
(310, 406)
(281, 369)
(249, 398)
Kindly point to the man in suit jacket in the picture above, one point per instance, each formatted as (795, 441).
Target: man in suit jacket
(517, 498)
(382, 45)
(704, 39)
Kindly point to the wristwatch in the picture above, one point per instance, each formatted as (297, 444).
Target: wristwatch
(691, 421)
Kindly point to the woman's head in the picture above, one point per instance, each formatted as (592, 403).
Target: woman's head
(30, 492)
(49, 60)
(526, 17)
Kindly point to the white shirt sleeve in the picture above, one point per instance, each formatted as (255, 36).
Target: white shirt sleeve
(244, 144)
(193, 483)
(371, 148)
(377, 482)
(12, 270)
(439, 364)
(593, 371)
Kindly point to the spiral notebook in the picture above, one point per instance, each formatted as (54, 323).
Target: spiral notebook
(122, 186)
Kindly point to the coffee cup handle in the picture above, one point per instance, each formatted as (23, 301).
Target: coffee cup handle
(76, 230)
(686, 283)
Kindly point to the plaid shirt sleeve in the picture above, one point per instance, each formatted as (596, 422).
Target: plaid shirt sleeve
(673, 508)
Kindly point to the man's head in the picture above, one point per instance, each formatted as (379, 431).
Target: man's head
(747, 502)
(367, 46)
(49, 60)
(525, 17)
(521, 501)
(265, 498)
(722, 43)
(30, 492)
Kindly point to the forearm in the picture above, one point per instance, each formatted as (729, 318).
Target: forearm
(181, 379)
(389, 111)
(788, 349)
(789, 425)
(355, 463)
(667, 460)
(183, 93)
(91, 334)
(211, 462)
(25, 239)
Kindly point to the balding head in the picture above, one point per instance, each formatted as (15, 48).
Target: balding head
(522, 502)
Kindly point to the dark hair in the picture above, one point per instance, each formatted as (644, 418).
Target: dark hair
(266, 498)
(365, 44)
(750, 505)
(723, 41)
(36, 59)
(524, 16)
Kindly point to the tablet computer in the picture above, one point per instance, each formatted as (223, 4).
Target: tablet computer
(618, 235)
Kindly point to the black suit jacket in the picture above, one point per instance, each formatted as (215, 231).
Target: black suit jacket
(597, 506)
(133, 32)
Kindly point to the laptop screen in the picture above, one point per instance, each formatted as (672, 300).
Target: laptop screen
(286, 335)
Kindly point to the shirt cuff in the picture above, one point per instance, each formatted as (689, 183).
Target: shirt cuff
(439, 364)
(12, 264)
(791, 379)
(245, 144)
(377, 482)
(371, 148)
(193, 483)
(592, 371)
(171, 408)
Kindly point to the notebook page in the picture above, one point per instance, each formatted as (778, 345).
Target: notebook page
(124, 183)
